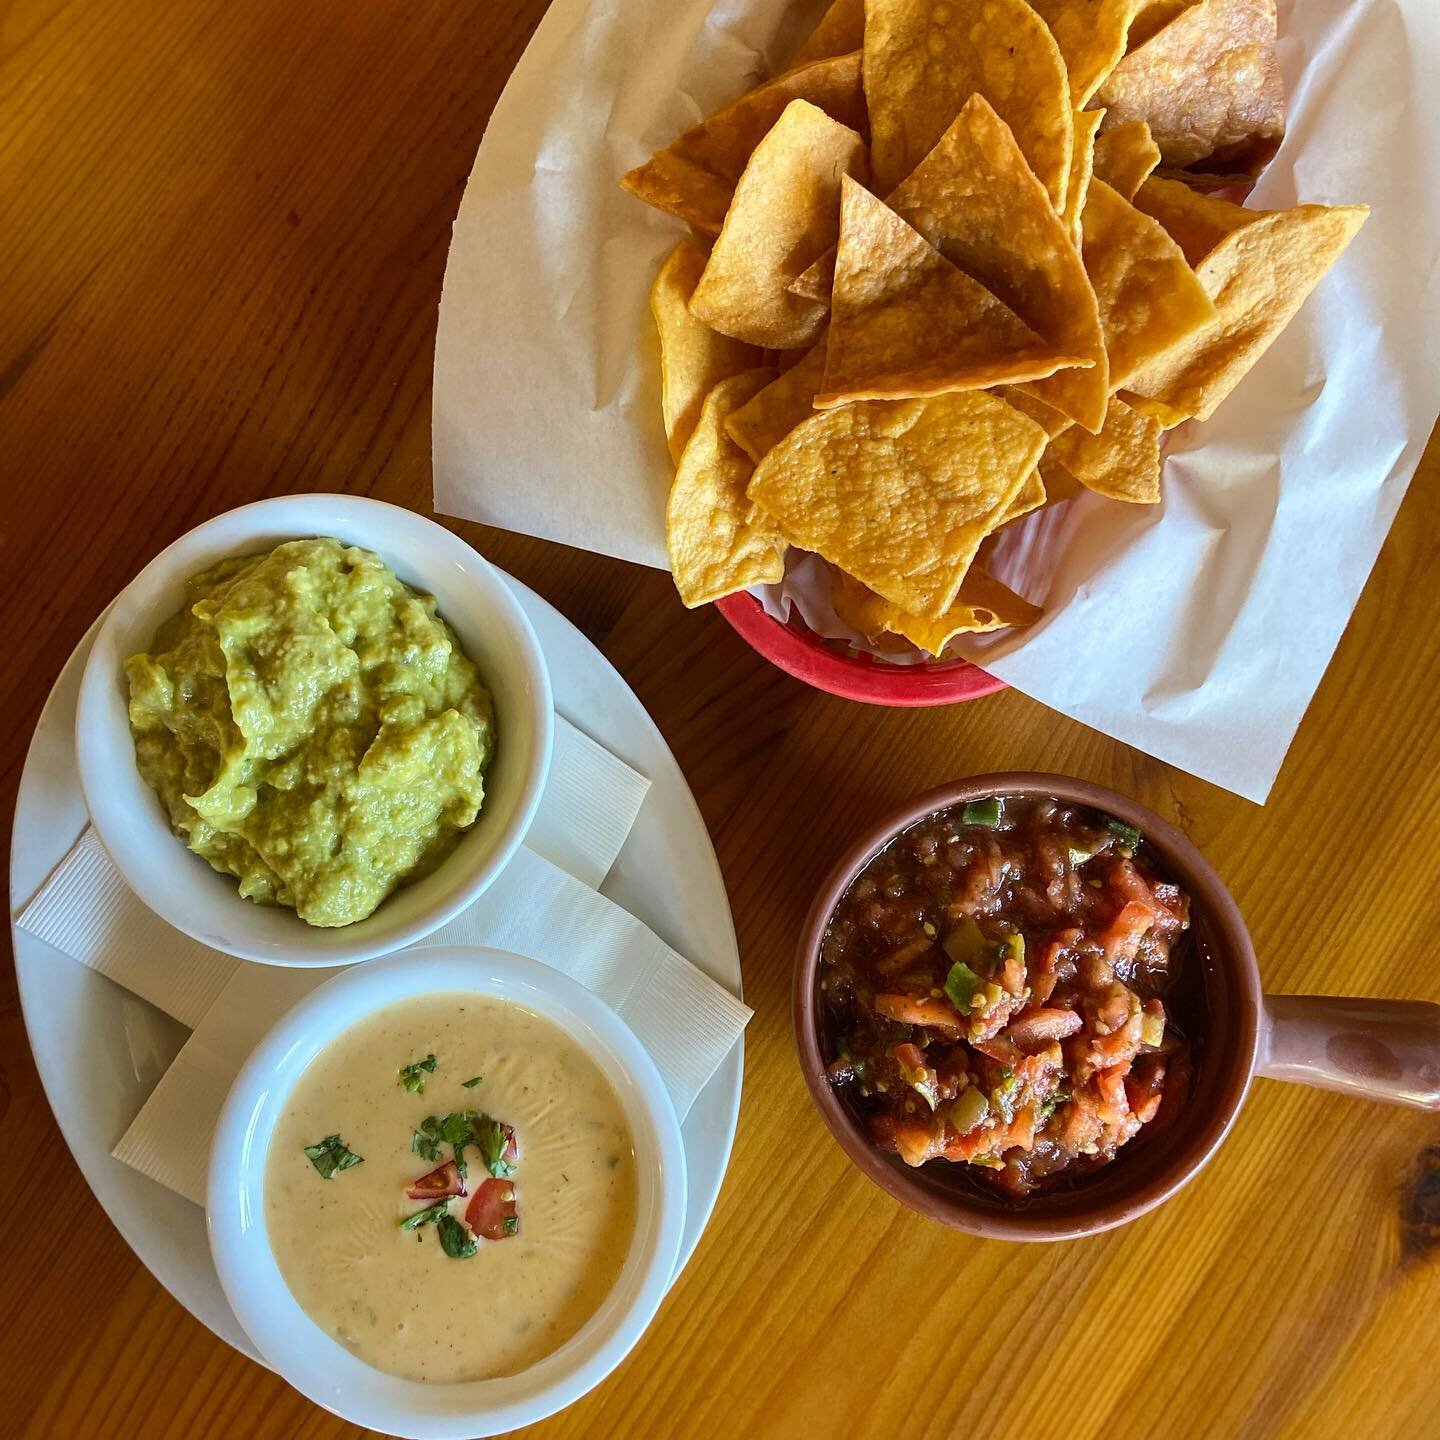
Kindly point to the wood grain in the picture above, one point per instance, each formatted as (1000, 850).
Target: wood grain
(223, 239)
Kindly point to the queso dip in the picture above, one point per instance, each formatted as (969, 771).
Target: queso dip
(440, 1286)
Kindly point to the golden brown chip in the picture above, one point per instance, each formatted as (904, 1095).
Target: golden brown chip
(1149, 296)
(904, 321)
(1031, 496)
(977, 202)
(841, 31)
(900, 493)
(693, 358)
(1050, 420)
(1091, 36)
(1197, 223)
(1152, 16)
(1125, 155)
(695, 177)
(768, 417)
(1122, 461)
(983, 604)
(923, 61)
(786, 211)
(1258, 276)
(1059, 483)
(1082, 169)
(715, 545)
(1208, 84)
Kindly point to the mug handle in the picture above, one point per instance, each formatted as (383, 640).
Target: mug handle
(1381, 1049)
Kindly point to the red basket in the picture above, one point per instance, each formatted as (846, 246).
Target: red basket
(832, 666)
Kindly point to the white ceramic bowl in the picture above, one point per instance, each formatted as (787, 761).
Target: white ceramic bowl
(178, 885)
(319, 1366)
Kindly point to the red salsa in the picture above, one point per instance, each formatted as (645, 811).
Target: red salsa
(994, 987)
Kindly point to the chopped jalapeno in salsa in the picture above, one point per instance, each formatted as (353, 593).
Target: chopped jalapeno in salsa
(993, 989)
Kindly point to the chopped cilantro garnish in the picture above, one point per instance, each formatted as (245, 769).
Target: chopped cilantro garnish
(455, 1240)
(1128, 834)
(412, 1076)
(424, 1146)
(472, 1082)
(331, 1155)
(491, 1138)
(422, 1217)
(511, 1224)
(455, 1127)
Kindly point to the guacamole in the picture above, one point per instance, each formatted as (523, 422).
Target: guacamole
(312, 728)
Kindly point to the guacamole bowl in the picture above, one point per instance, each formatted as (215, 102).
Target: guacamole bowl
(492, 630)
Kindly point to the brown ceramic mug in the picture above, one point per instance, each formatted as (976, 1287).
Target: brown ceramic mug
(1385, 1050)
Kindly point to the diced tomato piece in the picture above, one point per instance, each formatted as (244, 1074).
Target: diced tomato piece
(441, 1181)
(911, 1057)
(910, 1010)
(897, 960)
(918, 1140)
(1126, 884)
(1127, 929)
(1000, 1048)
(493, 1212)
(1110, 1084)
(511, 1152)
(1036, 1028)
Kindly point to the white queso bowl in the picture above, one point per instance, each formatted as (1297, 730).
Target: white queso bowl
(181, 887)
(319, 1366)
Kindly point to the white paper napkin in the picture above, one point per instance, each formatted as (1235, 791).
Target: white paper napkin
(542, 906)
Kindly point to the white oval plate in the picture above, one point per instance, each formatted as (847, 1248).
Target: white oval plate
(100, 1050)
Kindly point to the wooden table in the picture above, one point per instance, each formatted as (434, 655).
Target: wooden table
(223, 238)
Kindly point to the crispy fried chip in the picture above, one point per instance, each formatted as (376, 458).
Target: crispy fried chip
(904, 321)
(982, 604)
(1091, 36)
(1122, 461)
(1124, 157)
(1197, 223)
(1059, 483)
(1258, 276)
(923, 61)
(1031, 496)
(769, 416)
(1208, 85)
(900, 493)
(1050, 420)
(1082, 169)
(693, 358)
(1149, 296)
(841, 31)
(786, 211)
(695, 177)
(1152, 16)
(715, 546)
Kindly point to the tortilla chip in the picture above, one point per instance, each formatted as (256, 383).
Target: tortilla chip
(1208, 84)
(786, 211)
(1031, 496)
(1122, 461)
(1050, 420)
(1259, 275)
(1059, 483)
(924, 60)
(1082, 169)
(1152, 16)
(768, 417)
(1125, 155)
(905, 322)
(693, 358)
(841, 31)
(1091, 36)
(1197, 223)
(900, 493)
(983, 604)
(1149, 296)
(714, 545)
(695, 177)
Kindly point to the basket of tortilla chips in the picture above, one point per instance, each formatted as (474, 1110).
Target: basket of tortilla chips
(961, 261)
